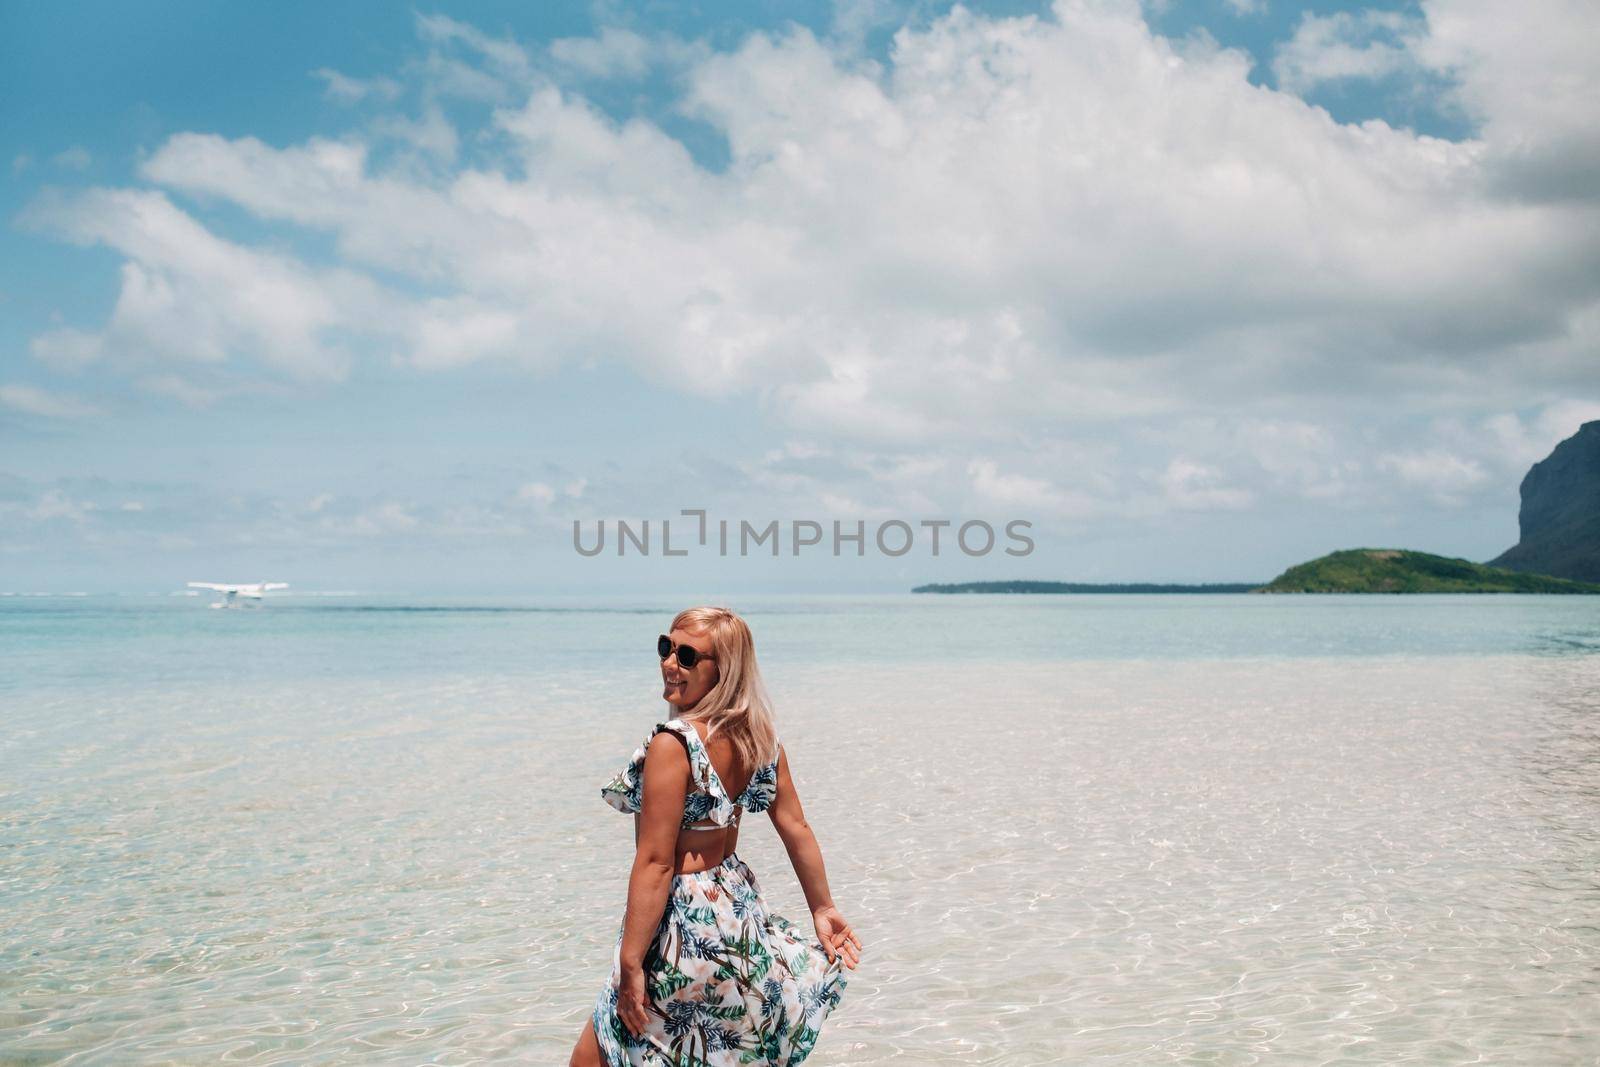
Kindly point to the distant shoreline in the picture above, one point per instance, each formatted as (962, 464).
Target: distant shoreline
(1087, 587)
(1350, 570)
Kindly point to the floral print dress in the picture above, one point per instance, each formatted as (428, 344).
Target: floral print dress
(727, 981)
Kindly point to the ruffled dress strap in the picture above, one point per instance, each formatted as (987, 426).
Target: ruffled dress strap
(706, 801)
(763, 788)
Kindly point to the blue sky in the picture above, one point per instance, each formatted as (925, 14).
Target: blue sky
(362, 296)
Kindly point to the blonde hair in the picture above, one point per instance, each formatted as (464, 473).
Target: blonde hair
(737, 705)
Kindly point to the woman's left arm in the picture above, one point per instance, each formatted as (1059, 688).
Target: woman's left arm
(666, 776)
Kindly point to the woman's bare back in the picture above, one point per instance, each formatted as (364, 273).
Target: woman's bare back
(702, 849)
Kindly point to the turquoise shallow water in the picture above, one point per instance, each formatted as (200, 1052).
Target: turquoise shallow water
(1109, 829)
(75, 641)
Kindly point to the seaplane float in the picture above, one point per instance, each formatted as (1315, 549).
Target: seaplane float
(235, 595)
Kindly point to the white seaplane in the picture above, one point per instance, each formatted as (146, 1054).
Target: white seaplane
(234, 596)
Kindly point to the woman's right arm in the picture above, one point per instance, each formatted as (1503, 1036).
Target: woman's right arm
(789, 818)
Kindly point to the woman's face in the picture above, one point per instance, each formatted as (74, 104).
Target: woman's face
(684, 688)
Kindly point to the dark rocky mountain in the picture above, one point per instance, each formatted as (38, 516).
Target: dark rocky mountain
(1560, 516)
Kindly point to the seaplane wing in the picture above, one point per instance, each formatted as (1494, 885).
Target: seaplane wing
(230, 591)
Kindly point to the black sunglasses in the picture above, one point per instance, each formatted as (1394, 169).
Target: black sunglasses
(688, 655)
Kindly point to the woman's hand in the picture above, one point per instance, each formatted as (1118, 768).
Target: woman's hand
(838, 940)
(630, 1000)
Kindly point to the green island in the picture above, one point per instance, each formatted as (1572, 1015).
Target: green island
(1400, 570)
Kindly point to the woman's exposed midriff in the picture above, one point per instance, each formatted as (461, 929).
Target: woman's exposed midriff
(699, 850)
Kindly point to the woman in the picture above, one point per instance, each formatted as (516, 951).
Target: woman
(703, 973)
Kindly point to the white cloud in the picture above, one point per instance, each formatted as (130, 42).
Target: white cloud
(381, 520)
(1011, 489)
(504, 61)
(451, 332)
(536, 493)
(613, 53)
(1191, 486)
(190, 296)
(1530, 81)
(1523, 442)
(874, 242)
(75, 158)
(540, 494)
(1037, 497)
(429, 133)
(1302, 458)
(348, 90)
(314, 184)
(1444, 476)
(1347, 44)
(853, 20)
(1017, 234)
(32, 401)
(616, 53)
(66, 349)
(56, 504)
(1533, 83)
